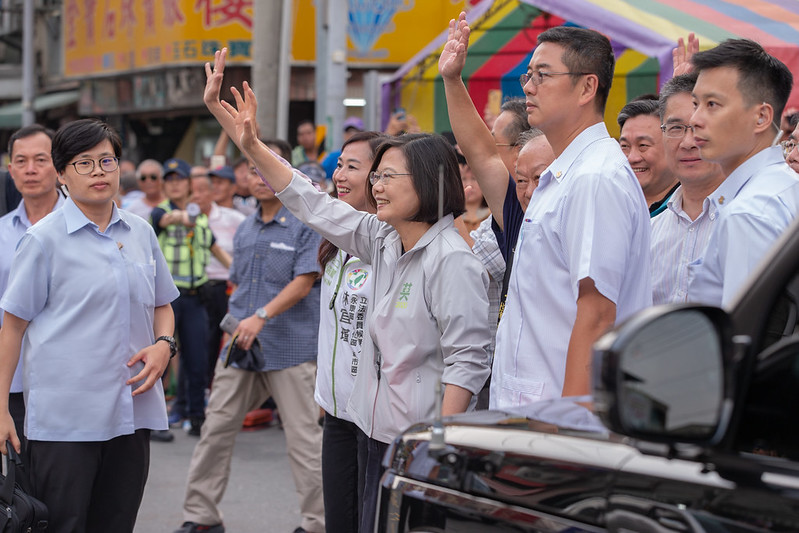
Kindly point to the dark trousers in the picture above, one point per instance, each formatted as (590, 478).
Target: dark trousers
(16, 406)
(191, 326)
(375, 450)
(343, 474)
(215, 298)
(91, 487)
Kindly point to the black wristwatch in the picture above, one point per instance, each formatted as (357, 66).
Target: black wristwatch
(173, 347)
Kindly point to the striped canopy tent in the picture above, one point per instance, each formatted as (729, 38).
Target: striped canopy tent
(642, 32)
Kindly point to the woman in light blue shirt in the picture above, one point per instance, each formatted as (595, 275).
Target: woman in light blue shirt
(88, 307)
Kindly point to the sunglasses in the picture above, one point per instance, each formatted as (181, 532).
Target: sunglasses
(153, 177)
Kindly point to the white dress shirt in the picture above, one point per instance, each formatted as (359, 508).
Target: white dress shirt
(755, 203)
(586, 219)
(678, 241)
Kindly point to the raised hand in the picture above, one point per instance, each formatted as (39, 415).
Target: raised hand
(453, 56)
(682, 54)
(213, 80)
(244, 115)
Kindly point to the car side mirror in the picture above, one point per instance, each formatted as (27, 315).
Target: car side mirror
(662, 375)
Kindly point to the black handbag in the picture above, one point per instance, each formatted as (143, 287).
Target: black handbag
(20, 512)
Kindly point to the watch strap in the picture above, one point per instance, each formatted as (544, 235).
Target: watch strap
(173, 349)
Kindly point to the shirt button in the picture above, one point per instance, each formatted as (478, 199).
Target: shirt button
(691, 229)
(712, 216)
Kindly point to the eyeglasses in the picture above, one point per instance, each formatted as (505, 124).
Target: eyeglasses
(87, 166)
(787, 147)
(538, 76)
(676, 131)
(384, 176)
(39, 162)
(152, 177)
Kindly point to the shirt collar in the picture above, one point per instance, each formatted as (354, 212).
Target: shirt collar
(20, 214)
(675, 205)
(434, 230)
(731, 186)
(560, 166)
(75, 218)
(280, 217)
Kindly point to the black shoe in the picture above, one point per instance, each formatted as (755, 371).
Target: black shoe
(298, 530)
(196, 424)
(161, 435)
(191, 527)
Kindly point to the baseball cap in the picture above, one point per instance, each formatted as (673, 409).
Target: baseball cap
(177, 166)
(225, 172)
(353, 122)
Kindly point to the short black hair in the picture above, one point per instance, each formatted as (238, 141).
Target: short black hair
(761, 76)
(424, 154)
(684, 83)
(636, 108)
(27, 131)
(305, 121)
(78, 136)
(586, 51)
(283, 146)
(518, 108)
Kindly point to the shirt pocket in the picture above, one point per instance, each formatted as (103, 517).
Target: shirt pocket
(280, 261)
(142, 281)
(515, 392)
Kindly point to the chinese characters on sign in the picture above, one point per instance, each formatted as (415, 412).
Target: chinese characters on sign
(106, 36)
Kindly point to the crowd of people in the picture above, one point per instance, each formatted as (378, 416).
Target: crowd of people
(436, 274)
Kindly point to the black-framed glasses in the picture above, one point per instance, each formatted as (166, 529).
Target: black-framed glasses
(384, 176)
(538, 76)
(787, 147)
(87, 166)
(676, 131)
(151, 177)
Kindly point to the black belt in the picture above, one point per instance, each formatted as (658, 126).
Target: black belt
(190, 292)
(216, 282)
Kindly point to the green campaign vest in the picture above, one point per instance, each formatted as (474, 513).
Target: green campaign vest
(186, 250)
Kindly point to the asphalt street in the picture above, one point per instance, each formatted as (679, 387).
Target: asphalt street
(260, 496)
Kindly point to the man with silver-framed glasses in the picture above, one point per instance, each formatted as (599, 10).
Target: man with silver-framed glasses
(680, 234)
(582, 256)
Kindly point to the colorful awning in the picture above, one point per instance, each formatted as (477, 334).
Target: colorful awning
(643, 34)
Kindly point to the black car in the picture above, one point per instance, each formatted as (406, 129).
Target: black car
(699, 431)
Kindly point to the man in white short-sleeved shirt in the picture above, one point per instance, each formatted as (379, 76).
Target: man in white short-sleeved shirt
(739, 96)
(582, 260)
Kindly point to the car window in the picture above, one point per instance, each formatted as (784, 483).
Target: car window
(784, 316)
(770, 417)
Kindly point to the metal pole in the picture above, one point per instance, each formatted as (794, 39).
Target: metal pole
(266, 52)
(336, 88)
(28, 53)
(322, 54)
(284, 71)
(371, 91)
